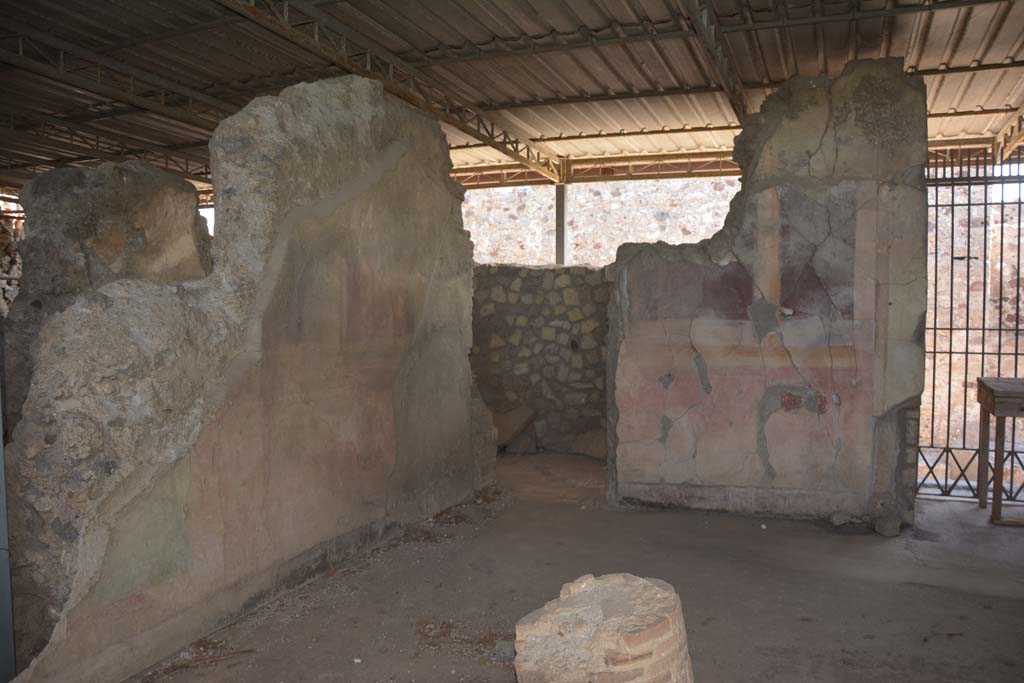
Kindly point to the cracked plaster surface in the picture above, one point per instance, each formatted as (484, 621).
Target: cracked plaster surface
(791, 336)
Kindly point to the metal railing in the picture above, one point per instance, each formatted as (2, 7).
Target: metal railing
(973, 319)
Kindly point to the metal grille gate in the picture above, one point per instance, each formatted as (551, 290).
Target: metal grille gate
(973, 318)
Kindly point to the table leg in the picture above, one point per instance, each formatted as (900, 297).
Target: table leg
(997, 471)
(983, 460)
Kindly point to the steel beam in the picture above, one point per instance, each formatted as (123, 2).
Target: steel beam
(83, 153)
(560, 224)
(111, 92)
(700, 14)
(63, 46)
(702, 89)
(1009, 137)
(1008, 63)
(694, 130)
(528, 46)
(855, 15)
(400, 80)
(29, 120)
(604, 97)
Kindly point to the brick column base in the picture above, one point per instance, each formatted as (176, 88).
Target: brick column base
(616, 628)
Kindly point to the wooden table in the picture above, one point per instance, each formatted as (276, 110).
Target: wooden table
(1001, 397)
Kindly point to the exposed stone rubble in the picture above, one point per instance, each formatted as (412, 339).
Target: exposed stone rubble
(188, 445)
(10, 263)
(539, 356)
(777, 367)
(616, 627)
(86, 227)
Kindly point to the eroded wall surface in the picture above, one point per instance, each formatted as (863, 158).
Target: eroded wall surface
(539, 356)
(187, 446)
(777, 367)
(86, 227)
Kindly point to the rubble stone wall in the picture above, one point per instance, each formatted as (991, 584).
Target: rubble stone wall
(777, 367)
(187, 446)
(539, 355)
(87, 227)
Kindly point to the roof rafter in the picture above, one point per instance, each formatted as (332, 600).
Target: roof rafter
(526, 45)
(855, 15)
(1010, 137)
(106, 89)
(697, 90)
(82, 153)
(332, 45)
(19, 119)
(65, 47)
(700, 14)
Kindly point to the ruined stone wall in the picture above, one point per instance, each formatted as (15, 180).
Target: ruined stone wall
(775, 367)
(539, 356)
(186, 446)
(87, 227)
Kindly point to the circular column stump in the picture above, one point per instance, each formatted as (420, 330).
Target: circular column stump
(616, 628)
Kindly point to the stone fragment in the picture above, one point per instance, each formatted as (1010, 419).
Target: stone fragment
(616, 627)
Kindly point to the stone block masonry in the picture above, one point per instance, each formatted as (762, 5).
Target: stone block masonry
(777, 367)
(539, 355)
(188, 445)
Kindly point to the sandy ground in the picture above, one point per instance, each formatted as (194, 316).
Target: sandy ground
(764, 599)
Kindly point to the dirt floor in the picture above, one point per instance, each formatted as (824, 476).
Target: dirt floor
(764, 599)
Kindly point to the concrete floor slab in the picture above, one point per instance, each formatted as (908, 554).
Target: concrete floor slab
(764, 599)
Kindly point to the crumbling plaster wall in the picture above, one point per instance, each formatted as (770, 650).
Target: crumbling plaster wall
(186, 447)
(777, 367)
(539, 356)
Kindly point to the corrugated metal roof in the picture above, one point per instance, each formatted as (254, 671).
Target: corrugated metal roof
(567, 78)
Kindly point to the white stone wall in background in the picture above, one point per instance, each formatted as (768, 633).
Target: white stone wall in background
(517, 224)
(512, 224)
(601, 216)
